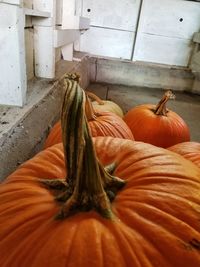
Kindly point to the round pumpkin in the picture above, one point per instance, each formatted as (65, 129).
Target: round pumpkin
(100, 105)
(156, 124)
(189, 150)
(152, 221)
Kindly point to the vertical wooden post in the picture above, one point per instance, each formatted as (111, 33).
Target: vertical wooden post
(68, 12)
(43, 39)
(13, 80)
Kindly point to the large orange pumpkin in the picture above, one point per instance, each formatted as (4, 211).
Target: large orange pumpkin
(189, 150)
(152, 222)
(100, 123)
(156, 124)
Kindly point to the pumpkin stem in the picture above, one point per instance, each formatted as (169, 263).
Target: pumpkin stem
(73, 76)
(91, 114)
(89, 185)
(95, 97)
(161, 106)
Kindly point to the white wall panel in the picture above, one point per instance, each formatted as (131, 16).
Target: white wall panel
(12, 55)
(107, 42)
(113, 25)
(172, 18)
(163, 50)
(115, 14)
(165, 31)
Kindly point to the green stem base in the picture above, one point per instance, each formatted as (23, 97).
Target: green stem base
(74, 201)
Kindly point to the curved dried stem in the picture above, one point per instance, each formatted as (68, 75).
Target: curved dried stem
(161, 108)
(95, 97)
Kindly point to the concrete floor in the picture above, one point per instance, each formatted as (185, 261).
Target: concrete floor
(186, 105)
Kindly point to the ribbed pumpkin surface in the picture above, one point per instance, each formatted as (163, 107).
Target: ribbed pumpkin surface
(108, 124)
(189, 150)
(158, 213)
(54, 136)
(158, 130)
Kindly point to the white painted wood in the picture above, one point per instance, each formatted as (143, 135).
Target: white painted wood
(64, 37)
(44, 52)
(107, 42)
(12, 55)
(67, 52)
(44, 39)
(59, 12)
(78, 7)
(68, 10)
(66, 18)
(163, 50)
(84, 23)
(45, 5)
(115, 14)
(113, 28)
(46, 22)
(69, 29)
(37, 13)
(75, 22)
(65, 13)
(172, 18)
(165, 31)
(77, 46)
(12, 2)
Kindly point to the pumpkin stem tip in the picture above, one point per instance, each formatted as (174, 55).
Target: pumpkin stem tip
(73, 76)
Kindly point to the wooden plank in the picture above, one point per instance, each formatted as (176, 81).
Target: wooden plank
(112, 14)
(67, 52)
(68, 12)
(44, 39)
(44, 52)
(107, 42)
(37, 13)
(12, 2)
(75, 22)
(45, 6)
(162, 49)
(165, 31)
(12, 56)
(172, 18)
(64, 37)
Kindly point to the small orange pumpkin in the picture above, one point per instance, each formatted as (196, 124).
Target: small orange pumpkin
(100, 123)
(189, 150)
(152, 221)
(156, 124)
